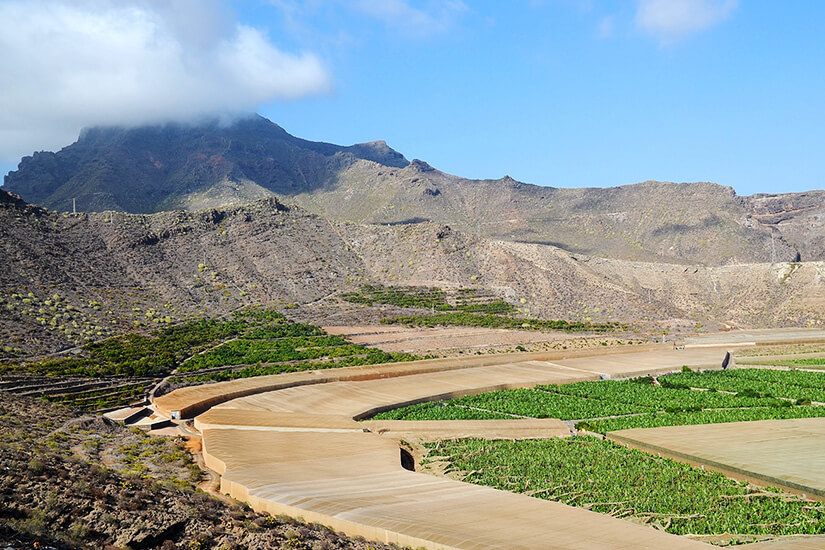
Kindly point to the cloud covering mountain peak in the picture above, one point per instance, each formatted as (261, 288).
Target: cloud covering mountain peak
(72, 64)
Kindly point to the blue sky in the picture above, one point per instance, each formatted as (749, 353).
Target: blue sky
(565, 93)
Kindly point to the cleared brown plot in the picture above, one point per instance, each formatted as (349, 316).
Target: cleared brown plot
(784, 453)
(422, 340)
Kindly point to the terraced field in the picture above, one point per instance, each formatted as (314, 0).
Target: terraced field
(276, 465)
(465, 308)
(80, 392)
(121, 370)
(668, 495)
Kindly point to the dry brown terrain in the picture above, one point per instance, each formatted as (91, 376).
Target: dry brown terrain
(219, 166)
(85, 482)
(452, 340)
(71, 278)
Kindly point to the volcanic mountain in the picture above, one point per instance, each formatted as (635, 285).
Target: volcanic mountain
(193, 167)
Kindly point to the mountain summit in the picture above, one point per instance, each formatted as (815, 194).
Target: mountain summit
(189, 167)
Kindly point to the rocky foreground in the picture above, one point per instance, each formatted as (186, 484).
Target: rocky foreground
(86, 482)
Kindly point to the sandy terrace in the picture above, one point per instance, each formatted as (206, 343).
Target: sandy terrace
(784, 453)
(297, 450)
(423, 340)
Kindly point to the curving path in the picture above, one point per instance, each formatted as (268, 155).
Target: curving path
(290, 444)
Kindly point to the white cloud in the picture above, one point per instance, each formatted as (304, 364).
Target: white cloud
(437, 17)
(671, 20)
(69, 64)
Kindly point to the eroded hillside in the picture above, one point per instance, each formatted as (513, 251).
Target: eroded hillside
(66, 278)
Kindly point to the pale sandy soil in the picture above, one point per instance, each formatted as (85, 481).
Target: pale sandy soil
(291, 446)
(443, 341)
(780, 453)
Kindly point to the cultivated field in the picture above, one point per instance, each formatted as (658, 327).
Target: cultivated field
(676, 399)
(353, 490)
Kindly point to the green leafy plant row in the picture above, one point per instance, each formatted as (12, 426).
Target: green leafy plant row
(440, 411)
(656, 420)
(800, 385)
(735, 396)
(498, 321)
(627, 483)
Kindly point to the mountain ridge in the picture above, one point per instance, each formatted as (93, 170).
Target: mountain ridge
(181, 167)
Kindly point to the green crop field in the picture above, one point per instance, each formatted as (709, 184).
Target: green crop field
(626, 483)
(469, 301)
(253, 342)
(810, 362)
(810, 356)
(463, 319)
(440, 411)
(681, 399)
(256, 337)
(526, 403)
(798, 385)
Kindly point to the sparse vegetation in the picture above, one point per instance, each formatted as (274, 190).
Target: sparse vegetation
(137, 355)
(470, 308)
(253, 342)
(86, 482)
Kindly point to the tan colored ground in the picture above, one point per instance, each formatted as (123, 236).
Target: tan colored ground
(354, 482)
(290, 445)
(437, 430)
(298, 450)
(439, 340)
(790, 543)
(760, 336)
(784, 453)
(193, 400)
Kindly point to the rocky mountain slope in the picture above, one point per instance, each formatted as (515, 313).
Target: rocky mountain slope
(70, 278)
(152, 169)
(176, 166)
